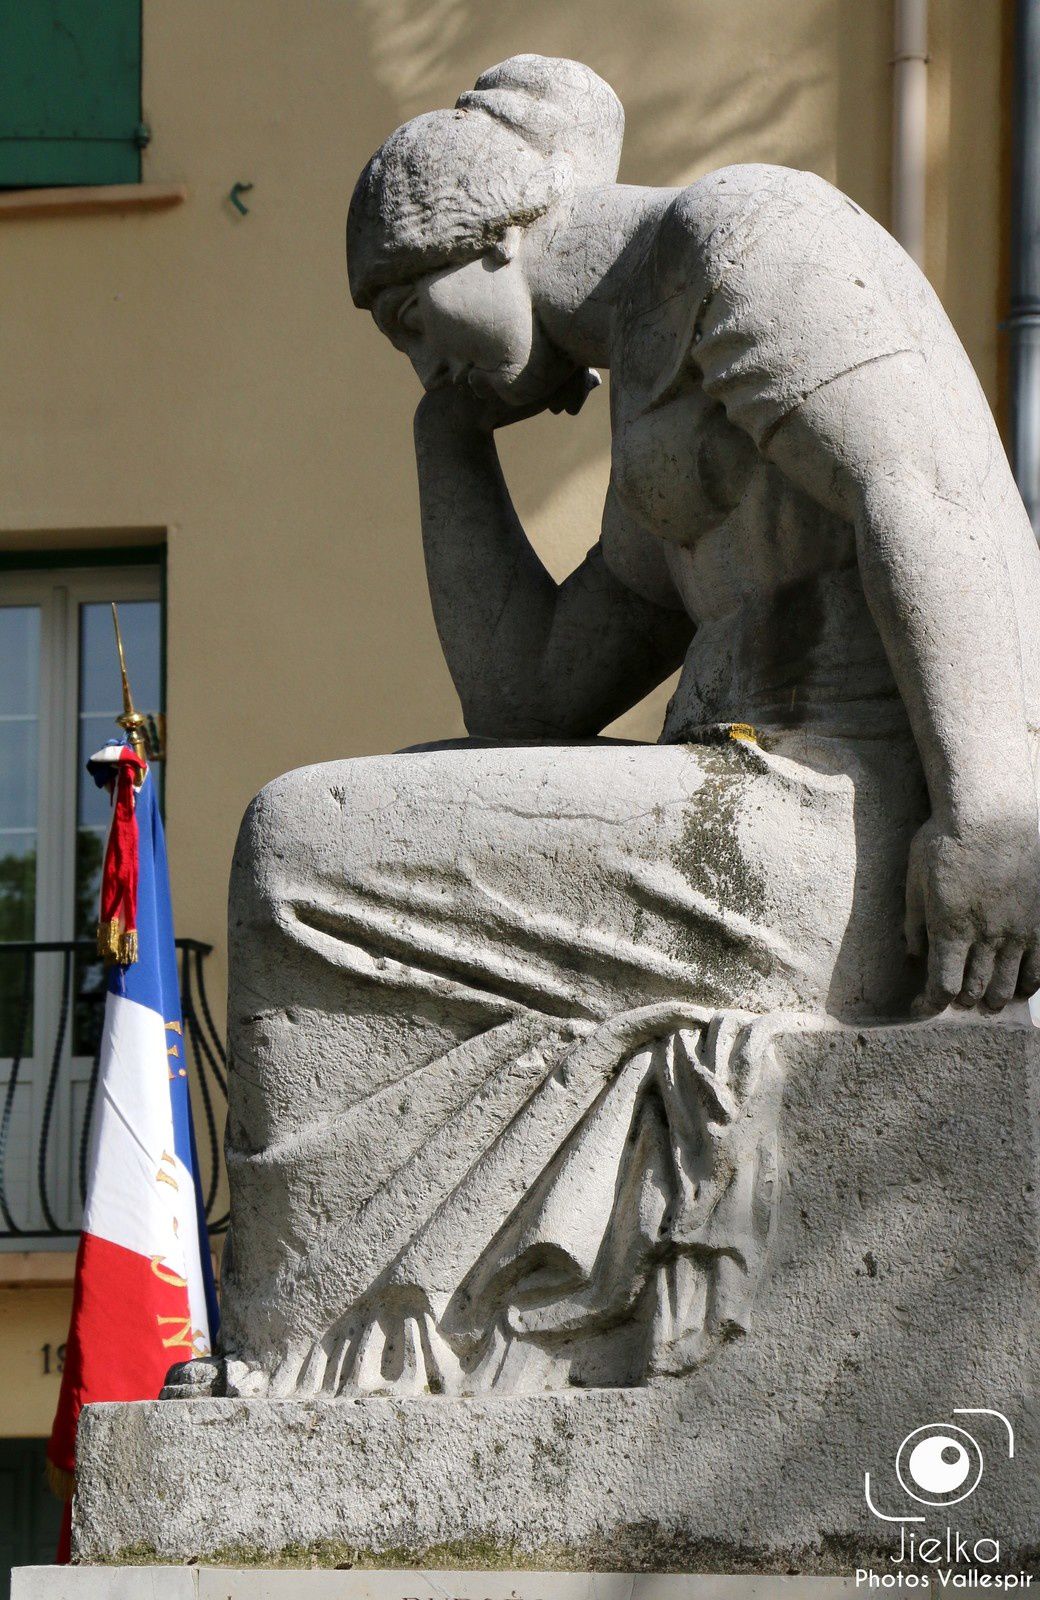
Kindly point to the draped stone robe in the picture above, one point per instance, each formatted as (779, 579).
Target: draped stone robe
(504, 1104)
(503, 1101)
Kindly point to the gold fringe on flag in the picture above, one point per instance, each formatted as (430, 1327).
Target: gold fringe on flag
(116, 946)
(62, 1484)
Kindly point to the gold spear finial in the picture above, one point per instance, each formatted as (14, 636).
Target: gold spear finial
(131, 720)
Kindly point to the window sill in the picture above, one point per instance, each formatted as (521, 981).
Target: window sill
(90, 200)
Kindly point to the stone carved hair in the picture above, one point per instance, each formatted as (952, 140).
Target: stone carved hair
(446, 186)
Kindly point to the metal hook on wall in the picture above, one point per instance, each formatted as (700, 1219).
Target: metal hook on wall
(237, 191)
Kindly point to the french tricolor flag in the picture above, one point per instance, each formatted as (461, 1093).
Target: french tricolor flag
(144, 1295)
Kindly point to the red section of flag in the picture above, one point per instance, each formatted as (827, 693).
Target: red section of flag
(64, 1555)
(130, 1323)
(117, 929)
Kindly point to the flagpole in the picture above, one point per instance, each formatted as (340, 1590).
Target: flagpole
(117, 926)
(132, 721)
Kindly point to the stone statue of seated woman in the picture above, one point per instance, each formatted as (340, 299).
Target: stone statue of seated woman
(503, 1104)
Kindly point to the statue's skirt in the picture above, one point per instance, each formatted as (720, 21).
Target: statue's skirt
(502, 1108)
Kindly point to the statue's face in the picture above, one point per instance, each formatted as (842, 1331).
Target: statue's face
(474, 323)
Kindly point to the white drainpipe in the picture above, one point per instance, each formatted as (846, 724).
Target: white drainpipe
(910, 125)
(1024, 322)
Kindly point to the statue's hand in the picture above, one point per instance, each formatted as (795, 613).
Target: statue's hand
(973, 905)
(486, 411)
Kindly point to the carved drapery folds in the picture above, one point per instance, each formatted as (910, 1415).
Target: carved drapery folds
(636, 1250)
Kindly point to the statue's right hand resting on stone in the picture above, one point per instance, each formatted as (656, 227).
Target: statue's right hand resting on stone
(504, 1102)
(805, 477)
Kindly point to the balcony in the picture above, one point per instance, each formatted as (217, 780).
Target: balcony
(52, 997)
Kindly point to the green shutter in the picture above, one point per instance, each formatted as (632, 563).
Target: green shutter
(70, 92)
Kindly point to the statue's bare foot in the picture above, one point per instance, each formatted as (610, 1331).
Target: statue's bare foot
(213, 1377)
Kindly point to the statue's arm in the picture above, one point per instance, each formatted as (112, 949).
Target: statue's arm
(530, 658)
(874, 445)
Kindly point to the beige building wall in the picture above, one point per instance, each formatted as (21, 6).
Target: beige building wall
(34, 1321)
(202, 376)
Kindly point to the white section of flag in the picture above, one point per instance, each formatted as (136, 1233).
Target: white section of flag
(140, 1195)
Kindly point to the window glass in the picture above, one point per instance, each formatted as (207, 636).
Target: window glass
(19, 759)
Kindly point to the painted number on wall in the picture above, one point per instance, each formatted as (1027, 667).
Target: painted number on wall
(53, 1357)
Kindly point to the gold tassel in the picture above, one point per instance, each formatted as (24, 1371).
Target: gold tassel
(116, 947)
(62, 1484)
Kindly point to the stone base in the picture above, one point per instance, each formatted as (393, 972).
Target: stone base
(903, 1285)
(229, 1583)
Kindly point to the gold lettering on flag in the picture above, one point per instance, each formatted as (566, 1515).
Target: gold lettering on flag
(173, 1027)
(185, 1336)
(167, 1274)
(164, 1177)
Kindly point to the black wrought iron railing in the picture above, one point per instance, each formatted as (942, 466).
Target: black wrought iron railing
(52, 997)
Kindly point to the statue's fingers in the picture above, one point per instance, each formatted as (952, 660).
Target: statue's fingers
(1029, 974)
(1002, 985)
(580, 389)
(946, 962)
(978, 970)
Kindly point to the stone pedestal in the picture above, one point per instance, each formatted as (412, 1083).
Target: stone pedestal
(230, 1583)
(902, 1290)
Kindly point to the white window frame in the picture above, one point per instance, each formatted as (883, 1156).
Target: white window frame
(59, 592)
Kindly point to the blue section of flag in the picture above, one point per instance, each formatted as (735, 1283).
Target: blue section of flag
(152, 981)
(205, 1259)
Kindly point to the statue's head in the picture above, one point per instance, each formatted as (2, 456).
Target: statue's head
(441, 224)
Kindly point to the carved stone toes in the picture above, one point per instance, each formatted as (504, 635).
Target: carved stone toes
(193, 1380)
(243, 1382)
(217, 1377)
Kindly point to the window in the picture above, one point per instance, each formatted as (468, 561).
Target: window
(59, 697)
(70, 92)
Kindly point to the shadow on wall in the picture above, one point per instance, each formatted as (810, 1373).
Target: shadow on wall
(695, 94)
